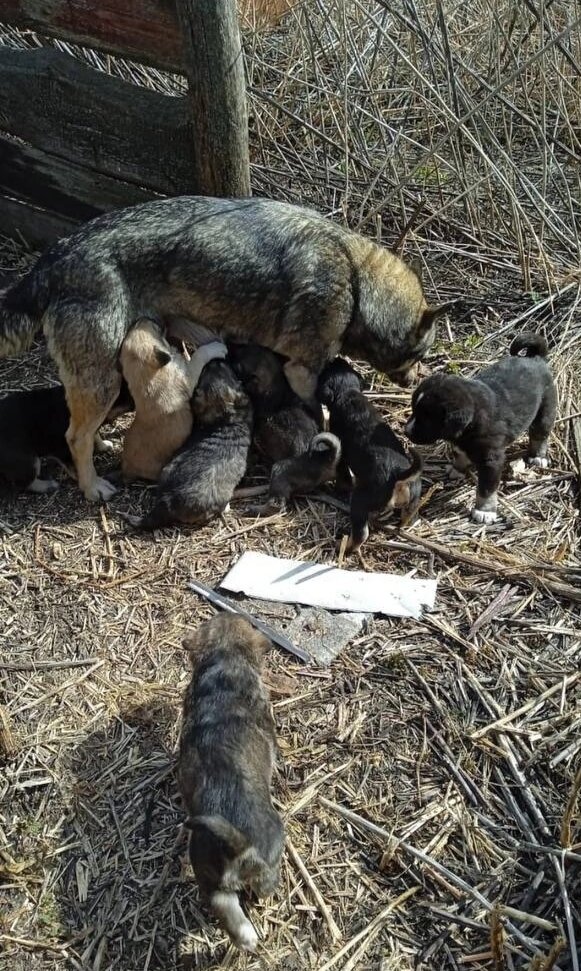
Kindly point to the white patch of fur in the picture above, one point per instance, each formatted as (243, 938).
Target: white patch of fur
(99, 489)
(538, 461)
(103, 444)
(42, 485)
(419, 397)
(227, 908)
(410, 426)
(486, 516)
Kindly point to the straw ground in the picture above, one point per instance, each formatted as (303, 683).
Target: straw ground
(430, 778)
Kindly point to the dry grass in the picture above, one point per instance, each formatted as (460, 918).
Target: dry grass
(430, 779)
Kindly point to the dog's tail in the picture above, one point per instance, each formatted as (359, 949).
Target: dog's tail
(529, 345)
(326, 447)
(21, 308)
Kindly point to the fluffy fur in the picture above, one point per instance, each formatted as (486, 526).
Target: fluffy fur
(33, 425)
(481, 416)
(199, 481)
(286, 431)
(161, 382)
(385, 477)
(226, 759)
(249, 269)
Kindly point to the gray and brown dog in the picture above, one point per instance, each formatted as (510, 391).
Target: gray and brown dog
(226, 759)
(248, 269)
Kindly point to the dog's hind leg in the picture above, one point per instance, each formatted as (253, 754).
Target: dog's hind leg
(41, 486)
(89, 407)
(541, 429)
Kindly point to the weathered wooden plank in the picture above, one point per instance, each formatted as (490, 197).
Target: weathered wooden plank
(57, 104)
(142, 30)
(36, 226)
(74, 191)
(217, 95)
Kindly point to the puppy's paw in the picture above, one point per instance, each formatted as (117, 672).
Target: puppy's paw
(455, 474)
(42, 486)
(246, 938)
(100, 490)
(486, 516)
(103, 444)
(538, 462)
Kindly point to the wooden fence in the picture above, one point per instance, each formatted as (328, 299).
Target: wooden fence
(75, 142)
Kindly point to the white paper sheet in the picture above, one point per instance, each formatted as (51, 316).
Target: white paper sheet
(324, 585)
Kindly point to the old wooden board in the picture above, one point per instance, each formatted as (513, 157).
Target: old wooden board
(63, 107)
(142, 30)
(36, 226)
(48, 182)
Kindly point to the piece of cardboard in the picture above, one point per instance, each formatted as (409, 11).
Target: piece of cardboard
(325, 585)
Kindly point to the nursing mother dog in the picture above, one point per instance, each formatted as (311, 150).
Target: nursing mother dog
(250, 270)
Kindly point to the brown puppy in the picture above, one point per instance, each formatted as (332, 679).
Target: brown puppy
(226, 758)
(161, 383)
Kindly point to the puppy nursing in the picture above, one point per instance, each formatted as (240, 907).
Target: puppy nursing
(286, 431)
(385, 477)
(226, 759)
(161, 382)
(481, 416)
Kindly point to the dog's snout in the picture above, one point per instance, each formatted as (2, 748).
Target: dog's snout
(409, 428)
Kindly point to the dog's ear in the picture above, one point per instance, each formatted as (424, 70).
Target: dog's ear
(417, 267)
(161, 356)
(431, 314)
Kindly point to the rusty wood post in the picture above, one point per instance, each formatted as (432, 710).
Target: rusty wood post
(217, 95)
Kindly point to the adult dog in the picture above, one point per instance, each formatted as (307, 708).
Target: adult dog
(250, 269)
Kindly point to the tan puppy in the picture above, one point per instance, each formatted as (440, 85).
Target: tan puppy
(161, 383)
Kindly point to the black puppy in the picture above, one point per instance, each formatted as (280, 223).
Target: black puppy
(33, 425)
(481, 416)
(385, 476)
(200, 479)
(286, 432)
(226, 759)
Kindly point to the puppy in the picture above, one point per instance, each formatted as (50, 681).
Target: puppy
(248, 269)
(161, 382)
(385, 477)
(33, 425)
(226, 759)
(199, 481)
(286, 431)
(481, 416)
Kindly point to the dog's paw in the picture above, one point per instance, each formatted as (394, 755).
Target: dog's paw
(100, 491)
(103, 445)
(485, 516)
(538, 462)
(42, 486)
(247, 938)
(455, 474)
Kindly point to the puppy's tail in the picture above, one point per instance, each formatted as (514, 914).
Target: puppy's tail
(21, 308)
(325, 446)
(529, 345)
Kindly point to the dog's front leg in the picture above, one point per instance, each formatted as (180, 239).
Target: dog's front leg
(303, 381)
(489, 475)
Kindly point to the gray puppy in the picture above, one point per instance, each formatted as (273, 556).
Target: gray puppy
(200, 479)
(226, 759)
(481, 416)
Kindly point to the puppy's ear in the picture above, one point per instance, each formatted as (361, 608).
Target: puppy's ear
(431, 314)
(161, 357)
(417, 267)
(457, 420)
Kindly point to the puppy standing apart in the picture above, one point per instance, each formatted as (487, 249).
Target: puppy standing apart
(480, 416)
(286, 431)
(33, 425)
(226, 759)
(161, 382)
(199, 481)
(385, 478)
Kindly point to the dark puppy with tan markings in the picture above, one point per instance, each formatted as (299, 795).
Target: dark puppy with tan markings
(385, 476)
(481, 416)
(248, 269)
(286, 431)
(226, 760)
(200, 479)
